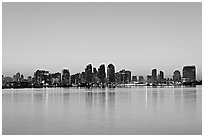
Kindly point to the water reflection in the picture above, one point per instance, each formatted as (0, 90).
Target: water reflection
(103, 111)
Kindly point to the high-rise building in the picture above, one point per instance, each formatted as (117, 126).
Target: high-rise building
(88, 74)
(17, 77)
(111, 73)
(65, 77)
(29, 79)
(118, 78)
(73, 79)
(134, 78)
(77, 78)
(22, 78)
(102, 73)
(127, 76)
(56, 78)
(161, 76)
(94, 70)
(177, 76)
(154, 75)
(95, 76)
(149, 79)
(41, 77)
(83, 77)
(189, 73)
(141, 79)
(122, 76)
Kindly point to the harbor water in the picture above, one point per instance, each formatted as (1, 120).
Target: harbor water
(109, 111)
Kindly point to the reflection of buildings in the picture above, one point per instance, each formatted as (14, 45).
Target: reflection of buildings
(189, 73)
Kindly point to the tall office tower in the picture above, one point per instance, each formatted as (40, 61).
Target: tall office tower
(154, 75)
(111, 73)
(141, 79)
(95, 75)
(118, 78)
(161, 76)
(65, 77)
(73, 79)
(134, 78)
(127, 76)
(94, 70)
(56, 78)
(29, 79)
(78, 78)
(189, 72)
(177, 76)
(17, 77)
(83, 77)
(102, 73)
(41, 77)
(88, 74)
(149, 79)
(22, 78)
(122, 76)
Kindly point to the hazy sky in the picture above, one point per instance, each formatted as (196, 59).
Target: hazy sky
(133, 36)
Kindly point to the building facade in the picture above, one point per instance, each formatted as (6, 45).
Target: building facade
(111, 73)
(189, 73)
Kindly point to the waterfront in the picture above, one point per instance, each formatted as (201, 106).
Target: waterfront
(136, 110)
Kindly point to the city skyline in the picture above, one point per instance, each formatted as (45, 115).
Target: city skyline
(155, 73)
(101, 77)
(134, 36)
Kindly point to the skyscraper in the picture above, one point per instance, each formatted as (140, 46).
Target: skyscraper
(161, 76)
(41, 77)
(88, 74)
(189, 72)
(122, 76)
(56, 78)
(118, 78)
(177, 76)
(17, 77)
(127, 76)
(154, 75)
(102, 73)
(65, 77)
(149, 79)
(134, 78)
(22, 78)
(141, 79)
(95, 76)
(111, 73)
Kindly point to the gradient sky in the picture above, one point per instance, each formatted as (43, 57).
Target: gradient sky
(133, 36)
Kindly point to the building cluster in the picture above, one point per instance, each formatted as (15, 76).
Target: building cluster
(101, 77)
(188, 77)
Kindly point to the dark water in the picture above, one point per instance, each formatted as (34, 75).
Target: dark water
(138, 110)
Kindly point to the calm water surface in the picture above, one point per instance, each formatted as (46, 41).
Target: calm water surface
(138, 110)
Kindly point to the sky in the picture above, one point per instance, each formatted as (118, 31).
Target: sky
(133, 36)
